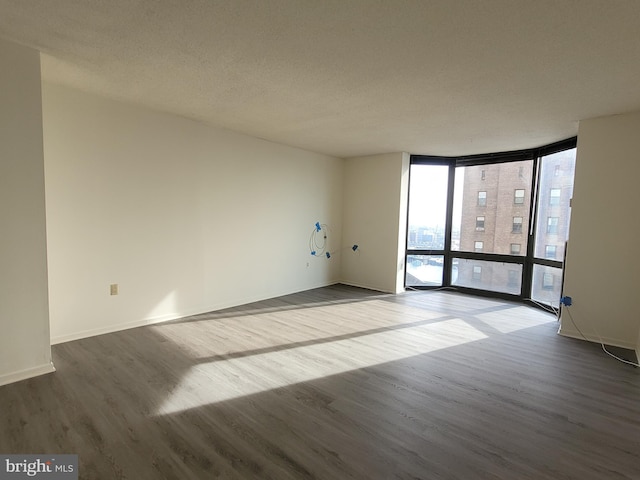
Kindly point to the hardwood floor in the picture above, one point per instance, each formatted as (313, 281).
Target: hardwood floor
(336, 383)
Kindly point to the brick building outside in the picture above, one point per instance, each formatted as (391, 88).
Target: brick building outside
(495, 219)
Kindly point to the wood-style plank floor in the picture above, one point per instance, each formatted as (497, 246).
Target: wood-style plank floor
(336, 383)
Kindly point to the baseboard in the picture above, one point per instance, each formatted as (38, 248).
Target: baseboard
(112, 328)
(27, 373)
(170, 316)
(366, 287)
(593, 338)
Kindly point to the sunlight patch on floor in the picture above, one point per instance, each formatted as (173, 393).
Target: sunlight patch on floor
(269, 329)
(220, 380)
(516, 319)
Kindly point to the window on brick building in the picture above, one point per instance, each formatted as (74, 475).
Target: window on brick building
(477, 273)
(550, 251)
(548, 281)
(516, 226)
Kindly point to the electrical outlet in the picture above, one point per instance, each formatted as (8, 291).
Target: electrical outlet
(114, 289)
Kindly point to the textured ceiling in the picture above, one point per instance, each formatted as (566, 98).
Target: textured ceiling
(350, 77)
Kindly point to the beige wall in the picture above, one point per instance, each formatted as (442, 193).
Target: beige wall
(602, 263)
(183, 217)
(375, 216)
(24, 343)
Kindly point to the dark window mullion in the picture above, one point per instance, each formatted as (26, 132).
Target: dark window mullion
(527, 268)
(447, 264)
(547, 263)
(490, 257)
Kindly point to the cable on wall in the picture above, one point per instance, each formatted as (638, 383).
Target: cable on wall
(318, 240)
(354, 248)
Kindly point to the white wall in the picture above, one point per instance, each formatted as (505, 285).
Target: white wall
(375, 202)
(24, 343)
(185, 218)
(603, 264)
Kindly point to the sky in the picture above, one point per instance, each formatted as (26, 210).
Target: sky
(428, 195)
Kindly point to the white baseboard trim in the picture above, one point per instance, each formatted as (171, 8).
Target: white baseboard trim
(27, 373)
(593, 338)
(174, 316)
(112, 328)
(366, 287)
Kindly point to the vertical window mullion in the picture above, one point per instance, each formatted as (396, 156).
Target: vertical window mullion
(448, 261)
(527, 268)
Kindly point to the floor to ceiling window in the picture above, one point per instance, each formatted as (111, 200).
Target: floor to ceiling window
(494, 224)
(428, 219)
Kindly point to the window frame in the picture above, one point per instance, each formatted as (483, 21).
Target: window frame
(452, 257)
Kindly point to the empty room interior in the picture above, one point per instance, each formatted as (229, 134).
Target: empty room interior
(291, 239)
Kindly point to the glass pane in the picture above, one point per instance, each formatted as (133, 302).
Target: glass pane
(546, 286)
(556, 190)
(424, 270)
(484, 275)
(501, 219)
(428, 206)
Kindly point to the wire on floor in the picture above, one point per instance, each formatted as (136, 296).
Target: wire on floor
(546, 308)
(439, 289)
(604, 348)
